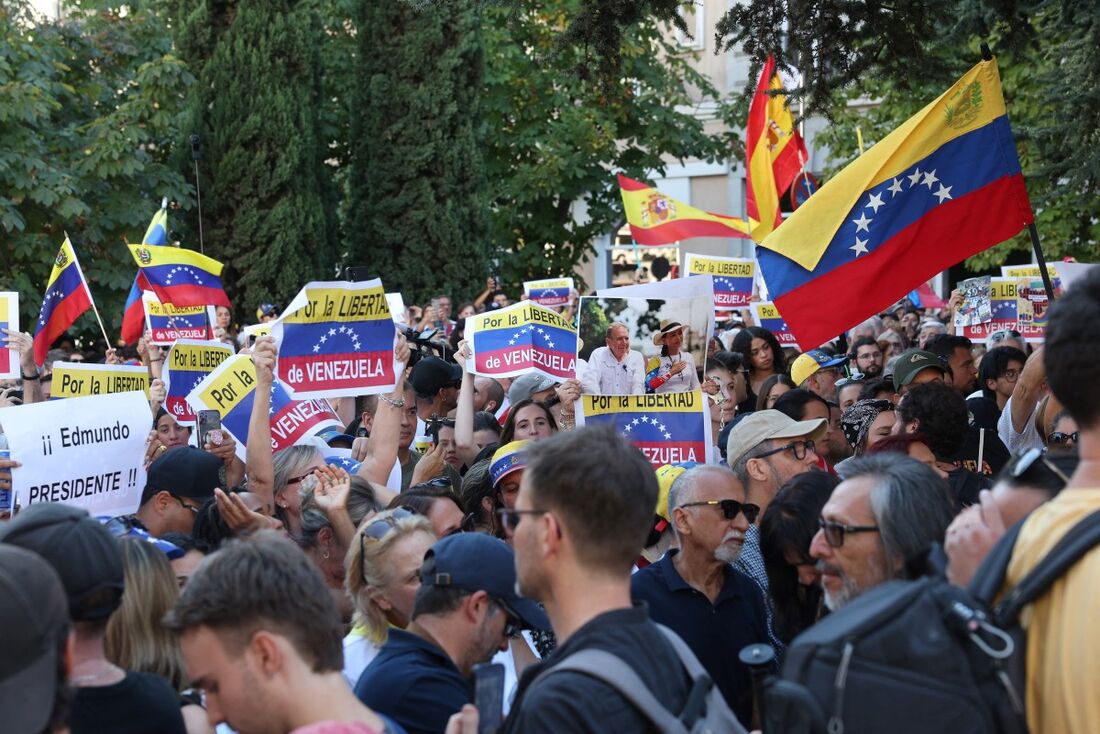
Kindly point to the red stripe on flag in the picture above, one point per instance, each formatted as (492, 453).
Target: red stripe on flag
(682, 229)
(951, 232)
(68, 310)
(192, 295)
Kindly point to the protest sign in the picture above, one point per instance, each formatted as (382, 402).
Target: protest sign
(256, 330)
(337, 339)
(86, 451)
(525, 337)
(187, 363)
(167, 323)
(668, 428)
(550, 292)
(977, 303)
(80, 379)
(397, 307)
(732, 277)
(9, 319)
(765, 314)
(1004, 314)
(230, 389)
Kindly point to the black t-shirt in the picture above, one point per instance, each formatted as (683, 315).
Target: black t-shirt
(575, 702)
(994, 454)
(141, 703)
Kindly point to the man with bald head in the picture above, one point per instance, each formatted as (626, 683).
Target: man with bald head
(696, 591)
(615, 369)
(488, 394)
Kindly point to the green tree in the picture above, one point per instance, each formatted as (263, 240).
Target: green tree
(268, 203)
(89, 108)
(417, 206)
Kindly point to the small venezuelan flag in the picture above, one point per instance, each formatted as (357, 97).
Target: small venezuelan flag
(67, 297)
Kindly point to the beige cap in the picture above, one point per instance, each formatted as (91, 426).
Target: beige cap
(764, 425)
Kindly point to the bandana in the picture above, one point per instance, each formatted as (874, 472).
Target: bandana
(857, 419)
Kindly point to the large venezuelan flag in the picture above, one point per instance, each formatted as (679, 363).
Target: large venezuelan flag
(656, 219)
(668, 428)
(133, 315)
(942, 187)
(67, 297)
(774, 153)
(181, 277)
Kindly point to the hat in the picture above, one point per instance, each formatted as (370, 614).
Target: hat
(351, 466)
(527, 385)
(266, 309)
(912, 361)
(431, 374)
(810, 362)
(857, 418)
(184, 471)
(85, 555)
(34, 619)
(666, 475)
(667, 327)
(123, 526)
(479, 562)
(508, 458)
(333, 436)
(764, 425)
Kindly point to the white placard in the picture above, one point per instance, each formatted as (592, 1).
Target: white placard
(88, 452)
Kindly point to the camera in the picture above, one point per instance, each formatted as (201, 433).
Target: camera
(423, 343)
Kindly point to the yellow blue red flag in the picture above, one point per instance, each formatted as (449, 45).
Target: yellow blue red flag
(525, 337)
(669, 428)
(181, 277)
(133, 318)
(943, 186)
(67, 297)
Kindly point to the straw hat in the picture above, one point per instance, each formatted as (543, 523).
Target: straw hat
(667, 327)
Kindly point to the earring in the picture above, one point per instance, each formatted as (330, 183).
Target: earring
(324, 554)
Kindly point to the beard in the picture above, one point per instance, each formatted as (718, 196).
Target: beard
(849, 587)
(729, 550)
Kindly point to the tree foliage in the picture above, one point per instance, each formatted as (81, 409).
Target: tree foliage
(89, 110)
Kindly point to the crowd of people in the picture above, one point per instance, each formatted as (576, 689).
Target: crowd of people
(546, 572)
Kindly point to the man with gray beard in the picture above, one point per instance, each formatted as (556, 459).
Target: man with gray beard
(716, 609)
(888, 510)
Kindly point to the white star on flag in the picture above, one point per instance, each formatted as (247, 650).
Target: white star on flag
(914, 178)
(894, 189)
(929, 179)
(875, 202)
(860, 247)
(332, 332)
(668, 435)
(943, 193)
(862, 223)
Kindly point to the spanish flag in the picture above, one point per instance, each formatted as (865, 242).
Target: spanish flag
(181, 277)
(942, 187)
(67, 297)
(774, 153)
(656, 219)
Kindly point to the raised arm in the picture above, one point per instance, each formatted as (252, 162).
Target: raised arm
(24, 346)
(382, 446)
(260, 464)
(465, 447)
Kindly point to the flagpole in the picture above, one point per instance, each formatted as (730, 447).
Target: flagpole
(91, 300)
(196, 156)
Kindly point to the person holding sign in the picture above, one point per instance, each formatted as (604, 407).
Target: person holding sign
(615, 369)
(675, 370)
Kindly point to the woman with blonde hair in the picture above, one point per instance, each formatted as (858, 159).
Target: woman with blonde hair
(383, 574)
(136, 639)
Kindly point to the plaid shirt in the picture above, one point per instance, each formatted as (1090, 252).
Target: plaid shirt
(751, 563)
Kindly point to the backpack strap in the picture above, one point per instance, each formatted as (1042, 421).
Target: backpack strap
(990, 576)
(1080, 539)
(611, 670)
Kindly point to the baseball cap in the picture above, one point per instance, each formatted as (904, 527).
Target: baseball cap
(812, 361)
(266, 309)
(527, 385)
(912, 361)
(85, 555)
(508, 458)
(333, 436)
(184, 471)
(764, 425)
(34, 620)
(479, 562)
(666, 475)
(348, 464)
(431, 374)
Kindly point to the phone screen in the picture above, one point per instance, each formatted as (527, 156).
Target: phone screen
(357, 273)
(207, 421)
(488, 695)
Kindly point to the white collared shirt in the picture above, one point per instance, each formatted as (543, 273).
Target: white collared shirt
(608, 376)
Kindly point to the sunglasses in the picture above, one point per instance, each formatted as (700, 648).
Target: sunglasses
(296, 480)
(1000, 336)
(380, 528)
(510, 517)
(854, 378)
(1062, 439)
(798, 448)
(834, 531)
(1027, 460)
(194, 510)
(730, 508)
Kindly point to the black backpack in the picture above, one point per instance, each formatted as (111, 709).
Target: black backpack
(922, 655)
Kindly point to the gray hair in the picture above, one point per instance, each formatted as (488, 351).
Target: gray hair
(289, 460)
(614, 325)
(683, 487)
(911, 504)
(740, 468)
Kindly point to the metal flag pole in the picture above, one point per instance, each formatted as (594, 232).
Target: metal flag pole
(91, 300)
(196, 156)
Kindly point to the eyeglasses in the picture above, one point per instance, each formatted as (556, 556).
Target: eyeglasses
(798, 448)
(194, 510)
(854, 378)
(510, 516)
(1011, 375)
(380, 528)
(296, 480)
(730, 508)
(1062, 439)
(834, 531)
(1027, 460)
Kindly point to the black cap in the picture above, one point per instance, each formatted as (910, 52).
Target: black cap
(83, 552)
(184, 471)
(431, 374)
(478, 562)
(34, 620)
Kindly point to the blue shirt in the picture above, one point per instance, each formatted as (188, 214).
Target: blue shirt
(414, 683)
(714, 632)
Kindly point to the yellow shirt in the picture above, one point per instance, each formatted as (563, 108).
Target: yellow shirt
(1063, 626)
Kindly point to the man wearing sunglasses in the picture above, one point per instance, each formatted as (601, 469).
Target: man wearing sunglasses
(466, 609)
(888, 510)
(695, 591)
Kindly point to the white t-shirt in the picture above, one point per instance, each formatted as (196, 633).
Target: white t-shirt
(1018, 441)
